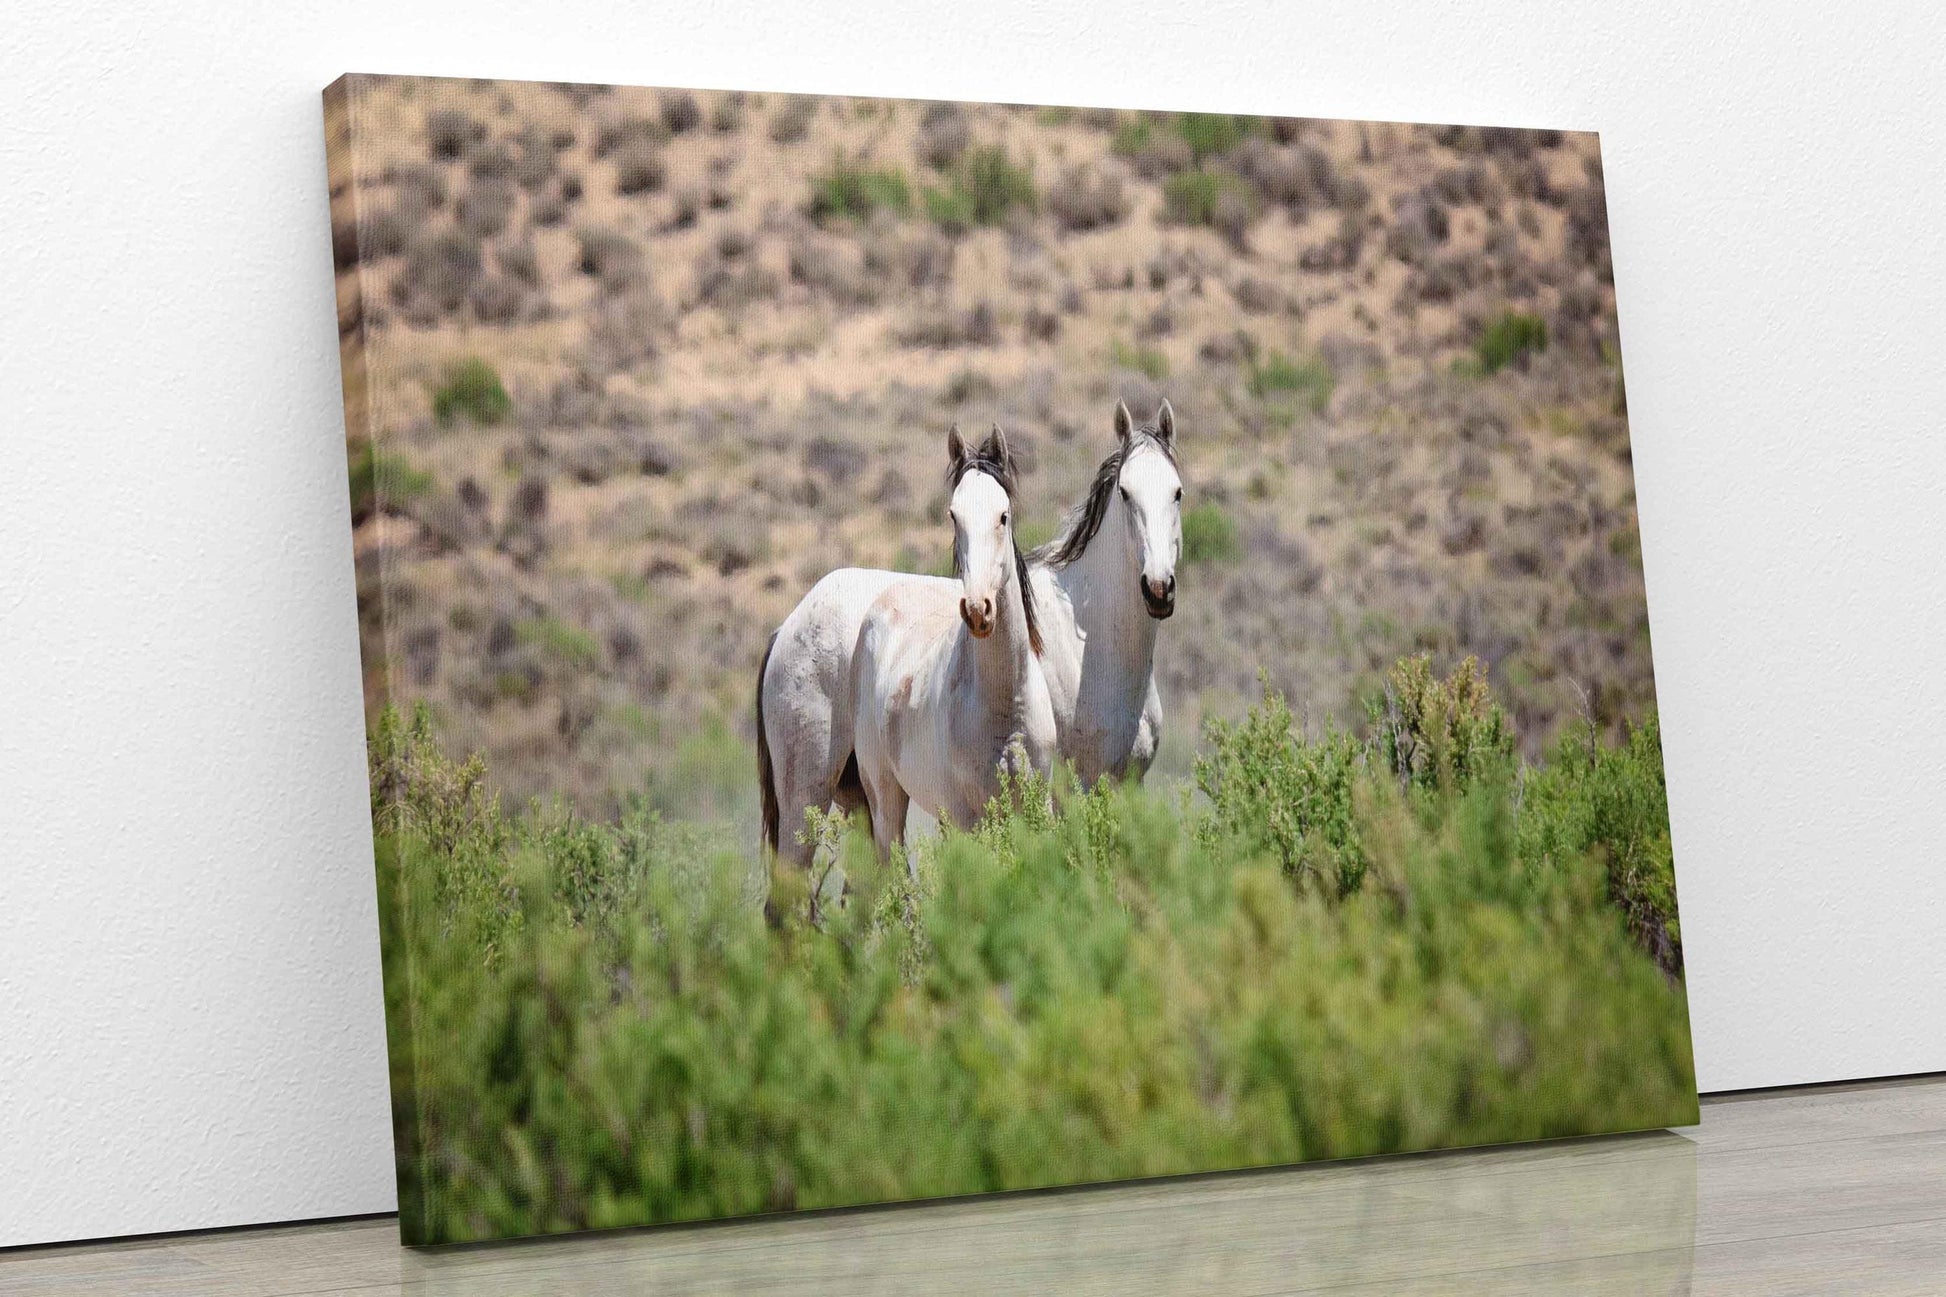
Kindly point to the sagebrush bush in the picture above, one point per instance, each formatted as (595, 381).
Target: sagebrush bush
(943, 135)
(1274, 790)
(471, 389)
(640, 169)
(1086, 198)
(609, 256)
(1435, 733)
(440, 270)
(792, 122)
(595, 1024)
(450, 132)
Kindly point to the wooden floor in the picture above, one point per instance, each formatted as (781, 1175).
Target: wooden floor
(1834, 1190)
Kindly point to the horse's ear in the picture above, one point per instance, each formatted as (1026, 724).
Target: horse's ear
(1124, 424)
(1165, 425)
(995, 448)
(955, 446)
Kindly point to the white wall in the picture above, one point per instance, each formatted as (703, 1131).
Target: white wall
(190, 1024)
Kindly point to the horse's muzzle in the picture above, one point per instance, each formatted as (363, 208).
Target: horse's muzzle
(1159, 597)
(978, 617)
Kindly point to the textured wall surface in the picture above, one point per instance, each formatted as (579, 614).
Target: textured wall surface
(190, 1028)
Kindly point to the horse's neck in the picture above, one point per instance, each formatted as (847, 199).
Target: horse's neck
(1117, 633)
(1003, 660)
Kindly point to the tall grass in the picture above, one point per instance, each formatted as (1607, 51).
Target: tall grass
(593, 1025)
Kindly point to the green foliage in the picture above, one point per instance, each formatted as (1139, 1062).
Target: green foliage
(471, 389)
(1440, 734)
(1309, 378)
(996, 186)
(986, 187)
(1610, 804)
(1209, 535)
(850, 192)
(1201, 197)
(1277, 792)
(596, 1025)
(1509, 339)
(1210, 134)
(570, 645)
(378, 479)
(1132, 134)
(950, 208)
(1148, 361)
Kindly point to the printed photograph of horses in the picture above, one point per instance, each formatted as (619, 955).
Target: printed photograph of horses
(915, 649)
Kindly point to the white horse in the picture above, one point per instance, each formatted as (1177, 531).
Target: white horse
(1101, 586)
(1099, 589)
(949, 694)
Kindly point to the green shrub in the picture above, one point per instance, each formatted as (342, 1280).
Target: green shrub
(1132, 134)
(379, 479)
(1440, 734)
(951, 208)
(1611, 804)
(851, 192)
(570, 645)
(1211, 134)
(1509, 339)
(1209, 536)
(996, 186)
(1277, 792)
(1274, 373)
(472, 390)
(1203, 197)
(986, 187)
(1147, 361)
(594, 1025)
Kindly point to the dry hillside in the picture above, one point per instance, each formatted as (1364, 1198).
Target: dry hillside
(628, 370)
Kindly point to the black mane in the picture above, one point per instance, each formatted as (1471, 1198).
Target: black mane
(1084, 520)
(1002, 471)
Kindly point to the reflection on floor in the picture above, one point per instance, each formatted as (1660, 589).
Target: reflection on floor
(1837, 1189)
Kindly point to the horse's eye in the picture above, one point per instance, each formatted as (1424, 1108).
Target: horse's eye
(1003, 520)
(1179, 495)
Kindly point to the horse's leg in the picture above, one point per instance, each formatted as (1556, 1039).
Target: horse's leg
(888, 825)
(888, 802)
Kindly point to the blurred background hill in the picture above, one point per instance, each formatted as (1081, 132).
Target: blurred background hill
(628, 370)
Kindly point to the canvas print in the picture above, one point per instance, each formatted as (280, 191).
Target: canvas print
(918, 649)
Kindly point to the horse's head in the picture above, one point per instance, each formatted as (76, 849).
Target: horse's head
(1151, 495)
(984, 557)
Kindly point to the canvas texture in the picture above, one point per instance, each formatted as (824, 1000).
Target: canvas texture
(918, 649)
